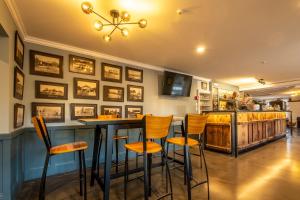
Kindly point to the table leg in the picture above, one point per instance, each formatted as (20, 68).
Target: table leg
(146, 182)
(187, 170)
(95, 154)
(108, 157)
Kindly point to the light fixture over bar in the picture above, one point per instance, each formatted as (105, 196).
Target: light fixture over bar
(119, 19)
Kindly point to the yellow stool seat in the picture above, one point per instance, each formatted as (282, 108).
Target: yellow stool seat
(137, 147)
(180, 141)
(70, 147)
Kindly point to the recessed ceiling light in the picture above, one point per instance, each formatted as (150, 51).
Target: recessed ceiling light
(200, 49)
(179, 11)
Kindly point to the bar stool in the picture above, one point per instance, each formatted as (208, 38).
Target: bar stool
(80, 146)
(194, 125)
(154, 128)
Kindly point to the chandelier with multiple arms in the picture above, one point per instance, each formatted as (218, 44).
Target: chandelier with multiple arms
(118, 21)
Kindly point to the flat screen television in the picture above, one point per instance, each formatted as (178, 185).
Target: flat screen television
(175, 84)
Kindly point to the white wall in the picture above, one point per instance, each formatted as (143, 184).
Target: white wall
(295, 108)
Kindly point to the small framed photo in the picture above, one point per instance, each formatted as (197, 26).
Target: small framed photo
(83, 111)
(131, 111)
(135, 93)
(112, 93)
(19, 111)
(111, 110)
(45, 64)
(50, 90)
(204, 85)
(18, 83)
(86, 89)
(52, 112)
(82, 65)
(19, 50)
(112, 73)
(134, 75)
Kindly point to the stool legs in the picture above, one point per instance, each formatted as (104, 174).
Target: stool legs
(206, 171)
(126, 175)
(82, 174)
(43, 179)
(187, 171)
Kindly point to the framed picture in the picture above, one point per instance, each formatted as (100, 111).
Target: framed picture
(135, 93)
(131, 111)
(112, 73)
(82, 65)
(19, 50)
(45, 64)
(86, 89)
(111, 110)
(18, 83)
(134, 75)
(204, 85)
(52, 112)
(50, 90)
(80, 111)
(19, 111)
(111, 93)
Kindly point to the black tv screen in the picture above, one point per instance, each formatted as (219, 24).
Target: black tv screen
(177, 84)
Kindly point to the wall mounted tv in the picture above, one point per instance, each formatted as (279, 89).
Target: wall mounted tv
(175, 84)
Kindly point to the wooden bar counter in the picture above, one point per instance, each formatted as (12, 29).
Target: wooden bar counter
(234, 132)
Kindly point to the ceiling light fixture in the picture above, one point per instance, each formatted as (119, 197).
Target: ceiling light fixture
(200, 50)
(118, 21)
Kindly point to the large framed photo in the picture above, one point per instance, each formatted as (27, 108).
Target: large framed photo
(52, 112)
(86, 89)
(135, 93)
(45, 64)
(112, 73)
(18, 83)
(134, 75)
(131, 111)
(19, 50)
(111, 110)
(19, 111)
(111, 93)
(50, 90)
(82, 65)
(83, 111)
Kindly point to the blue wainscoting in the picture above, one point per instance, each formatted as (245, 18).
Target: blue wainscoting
(1, 169)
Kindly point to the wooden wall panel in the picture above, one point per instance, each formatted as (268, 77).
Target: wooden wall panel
(250, 133)
(219, 136)
(242, 130)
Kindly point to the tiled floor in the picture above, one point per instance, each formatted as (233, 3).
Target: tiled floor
(271, 172)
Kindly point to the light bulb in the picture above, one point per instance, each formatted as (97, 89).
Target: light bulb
(125, 32)
(125, 16)
(107, 38)
(143, 23)
(98, 25)
(200, 49)
(87, 7)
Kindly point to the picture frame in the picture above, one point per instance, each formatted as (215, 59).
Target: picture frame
(19, 50)
(52, 112)
(204, 85)
(51, 90)
(135, 93)
(113, 93)
(86, 89)
(19, 82)
(134, 75)
(132, 110)
(111, 73)
(111, 110)
(82, 65)
(46, 64)
(83, 111)
(19, 112)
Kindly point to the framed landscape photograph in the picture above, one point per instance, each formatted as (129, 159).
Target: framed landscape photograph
(19, 50)
(134, 75)
(135, 93)
(52, 112)
(50, 90)
(112, 73)
(19, 111)
(86, 89)
(111, 110)
(83, 111)
(18, 83)
(45, 64)
(111, 93)
(131, 111)
(82, 65)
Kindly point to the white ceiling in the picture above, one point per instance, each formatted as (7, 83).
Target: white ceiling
(238, 34)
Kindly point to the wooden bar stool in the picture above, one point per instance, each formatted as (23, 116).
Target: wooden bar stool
(154, 128)
(194, 125)
(79, 146)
